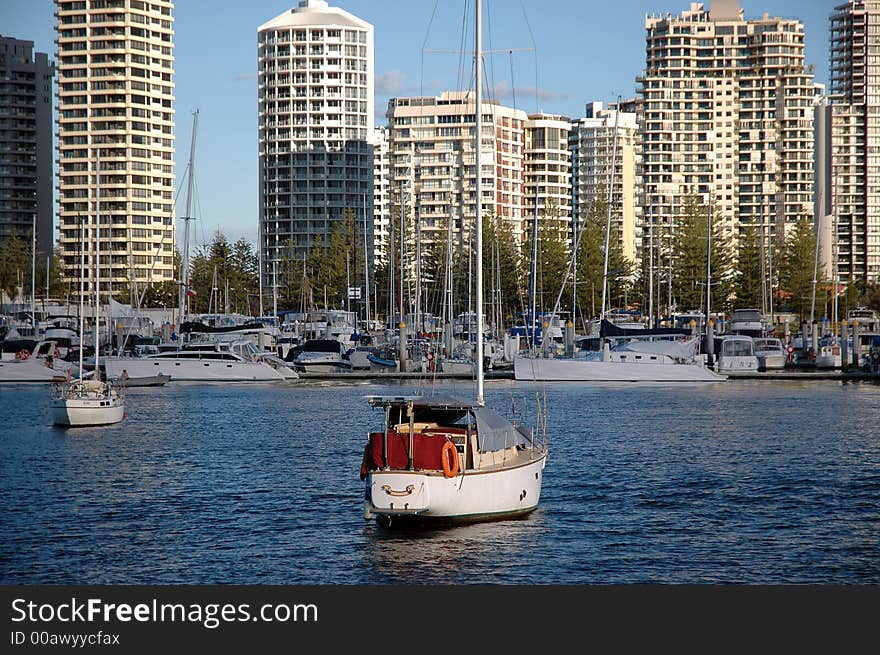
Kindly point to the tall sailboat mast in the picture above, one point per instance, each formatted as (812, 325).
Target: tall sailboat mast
(366, 268)
(97, 326)
(184, 272)
(478, 112)
(82, 291)
(608, 220)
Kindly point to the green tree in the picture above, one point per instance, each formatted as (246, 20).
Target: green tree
(796, 269)
(747, 287)
(552, 257)
(591, 261)
(501, 265)
(236, 273)
(15, 265)
(689, 252)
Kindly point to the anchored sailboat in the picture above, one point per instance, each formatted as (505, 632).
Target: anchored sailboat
(446, 460)
(86, 402)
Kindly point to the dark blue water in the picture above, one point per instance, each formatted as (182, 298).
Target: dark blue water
(739, 482)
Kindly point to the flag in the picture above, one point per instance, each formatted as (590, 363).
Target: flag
(190, 292)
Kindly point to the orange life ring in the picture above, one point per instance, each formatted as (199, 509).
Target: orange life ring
(23, 354)
(450, 465)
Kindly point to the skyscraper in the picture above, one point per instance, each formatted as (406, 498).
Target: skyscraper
(26, 143)
(116, 138)
(855, 137)
(728, 115)
(592, 149)
(315, 118)
(547, 172)
(433, 162)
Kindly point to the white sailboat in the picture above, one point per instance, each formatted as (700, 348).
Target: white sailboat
(88, 402)
(445, 460)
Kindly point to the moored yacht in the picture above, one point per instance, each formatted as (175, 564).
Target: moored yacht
(321, 356)
(736, 354)
(33, 361)
(196, 362)
(624, 355)
(770, 353)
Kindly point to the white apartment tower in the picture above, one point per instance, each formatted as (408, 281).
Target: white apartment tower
(116, 138)
(855, 138)
(547, 174)
(381, 194)
(315, 118)
(592, 150)
(728, 114)
(433, 163)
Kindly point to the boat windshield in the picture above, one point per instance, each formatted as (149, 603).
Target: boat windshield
(747, 315)
(737, 348)
(768, 344)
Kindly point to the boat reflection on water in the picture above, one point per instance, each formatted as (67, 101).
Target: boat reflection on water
(463, 554)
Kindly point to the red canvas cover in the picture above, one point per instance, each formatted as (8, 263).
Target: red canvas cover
(427, 449)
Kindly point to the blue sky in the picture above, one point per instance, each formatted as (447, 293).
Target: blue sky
(571, 51)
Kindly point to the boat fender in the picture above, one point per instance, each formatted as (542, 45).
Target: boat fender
(449, 459)
(23, 354)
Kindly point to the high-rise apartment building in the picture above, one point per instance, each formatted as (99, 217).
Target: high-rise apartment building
(433, 162)
(855, 138)
(116, 137)
(26, 144)
(728, 114)
(381, 194)
(592, 146)
(315, 118)
(547, 173)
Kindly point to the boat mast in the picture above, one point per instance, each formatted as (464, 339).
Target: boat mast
(366, 268)
(260, 263)
(651, 272)
(708, 261)
(274, 292)
(184, 273)
(608, 221)
(97, 264)
(34, 276)
(82, 290)
(478, 111)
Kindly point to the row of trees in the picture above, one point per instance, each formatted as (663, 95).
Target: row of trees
(224, 275)
(321, 277)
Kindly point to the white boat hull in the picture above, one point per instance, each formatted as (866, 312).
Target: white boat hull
(453, 367)
(14, 371)
(468, 497)
(193, 370)
(771, 362)
(82, 412)
(737, 364)
(585, 370)
(322, 363)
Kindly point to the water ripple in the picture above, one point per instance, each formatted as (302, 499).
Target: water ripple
(747, 482)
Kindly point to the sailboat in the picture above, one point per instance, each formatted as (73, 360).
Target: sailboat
(88, 402)
(626, 353)
(440, 460)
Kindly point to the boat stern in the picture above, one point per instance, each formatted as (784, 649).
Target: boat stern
(394, 493)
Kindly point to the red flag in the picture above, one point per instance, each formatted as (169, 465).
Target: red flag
(190, 292)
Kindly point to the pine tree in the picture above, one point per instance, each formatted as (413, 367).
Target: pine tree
(796, 269)
(748, 288)
(689, 252)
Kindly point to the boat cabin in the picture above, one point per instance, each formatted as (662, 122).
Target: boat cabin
(416, 430)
